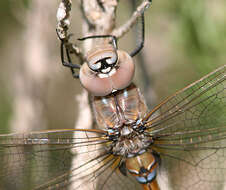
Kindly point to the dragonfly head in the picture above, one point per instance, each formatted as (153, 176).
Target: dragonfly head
(106, 70)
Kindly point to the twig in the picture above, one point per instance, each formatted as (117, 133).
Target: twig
(122, 30)
(63, 14)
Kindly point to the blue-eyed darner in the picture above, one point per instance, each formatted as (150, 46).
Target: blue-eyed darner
(182, 141)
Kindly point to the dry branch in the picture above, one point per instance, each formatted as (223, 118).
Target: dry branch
(119, 32)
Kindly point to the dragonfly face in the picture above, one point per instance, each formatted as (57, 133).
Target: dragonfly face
(105, 70)
(102, 59)
(187, 131)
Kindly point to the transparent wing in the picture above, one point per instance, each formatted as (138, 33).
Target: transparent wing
(43, 160)
(189, 129)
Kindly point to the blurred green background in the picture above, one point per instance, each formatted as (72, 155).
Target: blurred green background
(184, 41)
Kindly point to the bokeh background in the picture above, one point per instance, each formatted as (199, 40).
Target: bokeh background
(184, 41)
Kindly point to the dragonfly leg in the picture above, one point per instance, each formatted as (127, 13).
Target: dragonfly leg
(141, 43)
(68, 63)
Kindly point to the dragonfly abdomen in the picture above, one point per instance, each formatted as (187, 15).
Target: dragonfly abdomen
(144, 168)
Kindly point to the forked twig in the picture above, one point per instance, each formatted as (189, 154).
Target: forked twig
(122, 30)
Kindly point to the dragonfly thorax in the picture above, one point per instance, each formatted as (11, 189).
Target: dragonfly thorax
(128, 141)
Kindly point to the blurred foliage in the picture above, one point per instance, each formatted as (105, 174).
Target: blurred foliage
(9, 25)
(201, 31)
(8, 19)
(5, 108)
(187, 41)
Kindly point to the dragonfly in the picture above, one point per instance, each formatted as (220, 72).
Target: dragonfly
(180, 144)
